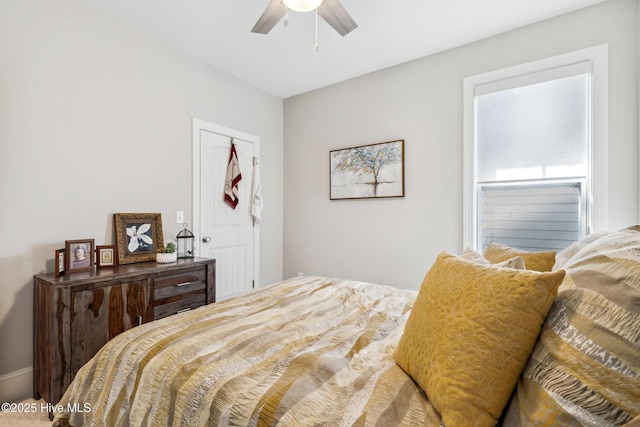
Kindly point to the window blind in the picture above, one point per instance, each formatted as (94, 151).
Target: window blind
(532, 216)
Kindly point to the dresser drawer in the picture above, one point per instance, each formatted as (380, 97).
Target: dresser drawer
(186, 303)
(179, 284)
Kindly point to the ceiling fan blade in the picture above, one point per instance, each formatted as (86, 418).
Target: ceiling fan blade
(270, 17)
(337, 16)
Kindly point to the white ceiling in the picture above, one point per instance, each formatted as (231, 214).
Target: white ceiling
(284, 61)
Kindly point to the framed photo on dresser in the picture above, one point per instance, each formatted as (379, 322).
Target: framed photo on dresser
(79, 254)
(59, 262)
(106, 256)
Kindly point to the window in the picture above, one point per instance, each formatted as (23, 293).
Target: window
(535, 152)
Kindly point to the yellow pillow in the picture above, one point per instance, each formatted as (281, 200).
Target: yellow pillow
(470, 333)
(538, 261)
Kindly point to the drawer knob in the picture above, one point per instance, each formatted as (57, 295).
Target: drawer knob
(206, 239)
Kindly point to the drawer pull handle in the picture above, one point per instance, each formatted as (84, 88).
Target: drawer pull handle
(183, 284)
(183, 310)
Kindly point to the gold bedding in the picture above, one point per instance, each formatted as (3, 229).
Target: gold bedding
(306, 351)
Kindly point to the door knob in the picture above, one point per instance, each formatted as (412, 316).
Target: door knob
(206, 239)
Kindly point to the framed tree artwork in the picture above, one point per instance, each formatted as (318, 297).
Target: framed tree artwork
(367, 171)
(138, 236)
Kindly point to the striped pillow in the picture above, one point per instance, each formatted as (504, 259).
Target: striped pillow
(585, 367)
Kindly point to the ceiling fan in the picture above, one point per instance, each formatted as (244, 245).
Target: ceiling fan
(331, 11)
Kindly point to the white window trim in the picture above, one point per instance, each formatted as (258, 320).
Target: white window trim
(599, 58)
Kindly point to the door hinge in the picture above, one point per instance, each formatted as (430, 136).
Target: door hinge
(253, 284)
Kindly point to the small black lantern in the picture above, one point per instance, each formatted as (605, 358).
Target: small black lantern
(186, 241)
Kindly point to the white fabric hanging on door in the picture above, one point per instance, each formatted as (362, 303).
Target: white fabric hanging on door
(256, 200)
(233, 178)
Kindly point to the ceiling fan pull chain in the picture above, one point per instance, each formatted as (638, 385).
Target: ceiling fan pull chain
(316, 46)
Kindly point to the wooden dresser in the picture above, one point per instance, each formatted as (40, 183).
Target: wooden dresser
(77, 313)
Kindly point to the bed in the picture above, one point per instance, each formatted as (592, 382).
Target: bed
(487, 340)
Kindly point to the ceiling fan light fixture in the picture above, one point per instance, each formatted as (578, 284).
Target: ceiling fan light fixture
(331, 11)
(302, 5)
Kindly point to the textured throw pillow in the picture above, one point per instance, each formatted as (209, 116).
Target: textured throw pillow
(538, 261)
(585, 367)
(471, 255)
(470, 333)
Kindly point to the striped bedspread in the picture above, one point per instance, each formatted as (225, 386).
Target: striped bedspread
(306, 351)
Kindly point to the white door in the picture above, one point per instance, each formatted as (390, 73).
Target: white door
(224, 233)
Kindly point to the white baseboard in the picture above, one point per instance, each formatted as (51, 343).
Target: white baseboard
(16, 385)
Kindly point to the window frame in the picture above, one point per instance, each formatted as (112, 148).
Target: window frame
(598, 56)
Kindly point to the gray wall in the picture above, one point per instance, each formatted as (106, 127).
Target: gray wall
(96, 118)
(395, 241)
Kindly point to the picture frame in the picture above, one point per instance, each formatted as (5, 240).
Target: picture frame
(79, 254)
(106, 256)
(367, 171)
(138, 236)
(59, 262)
